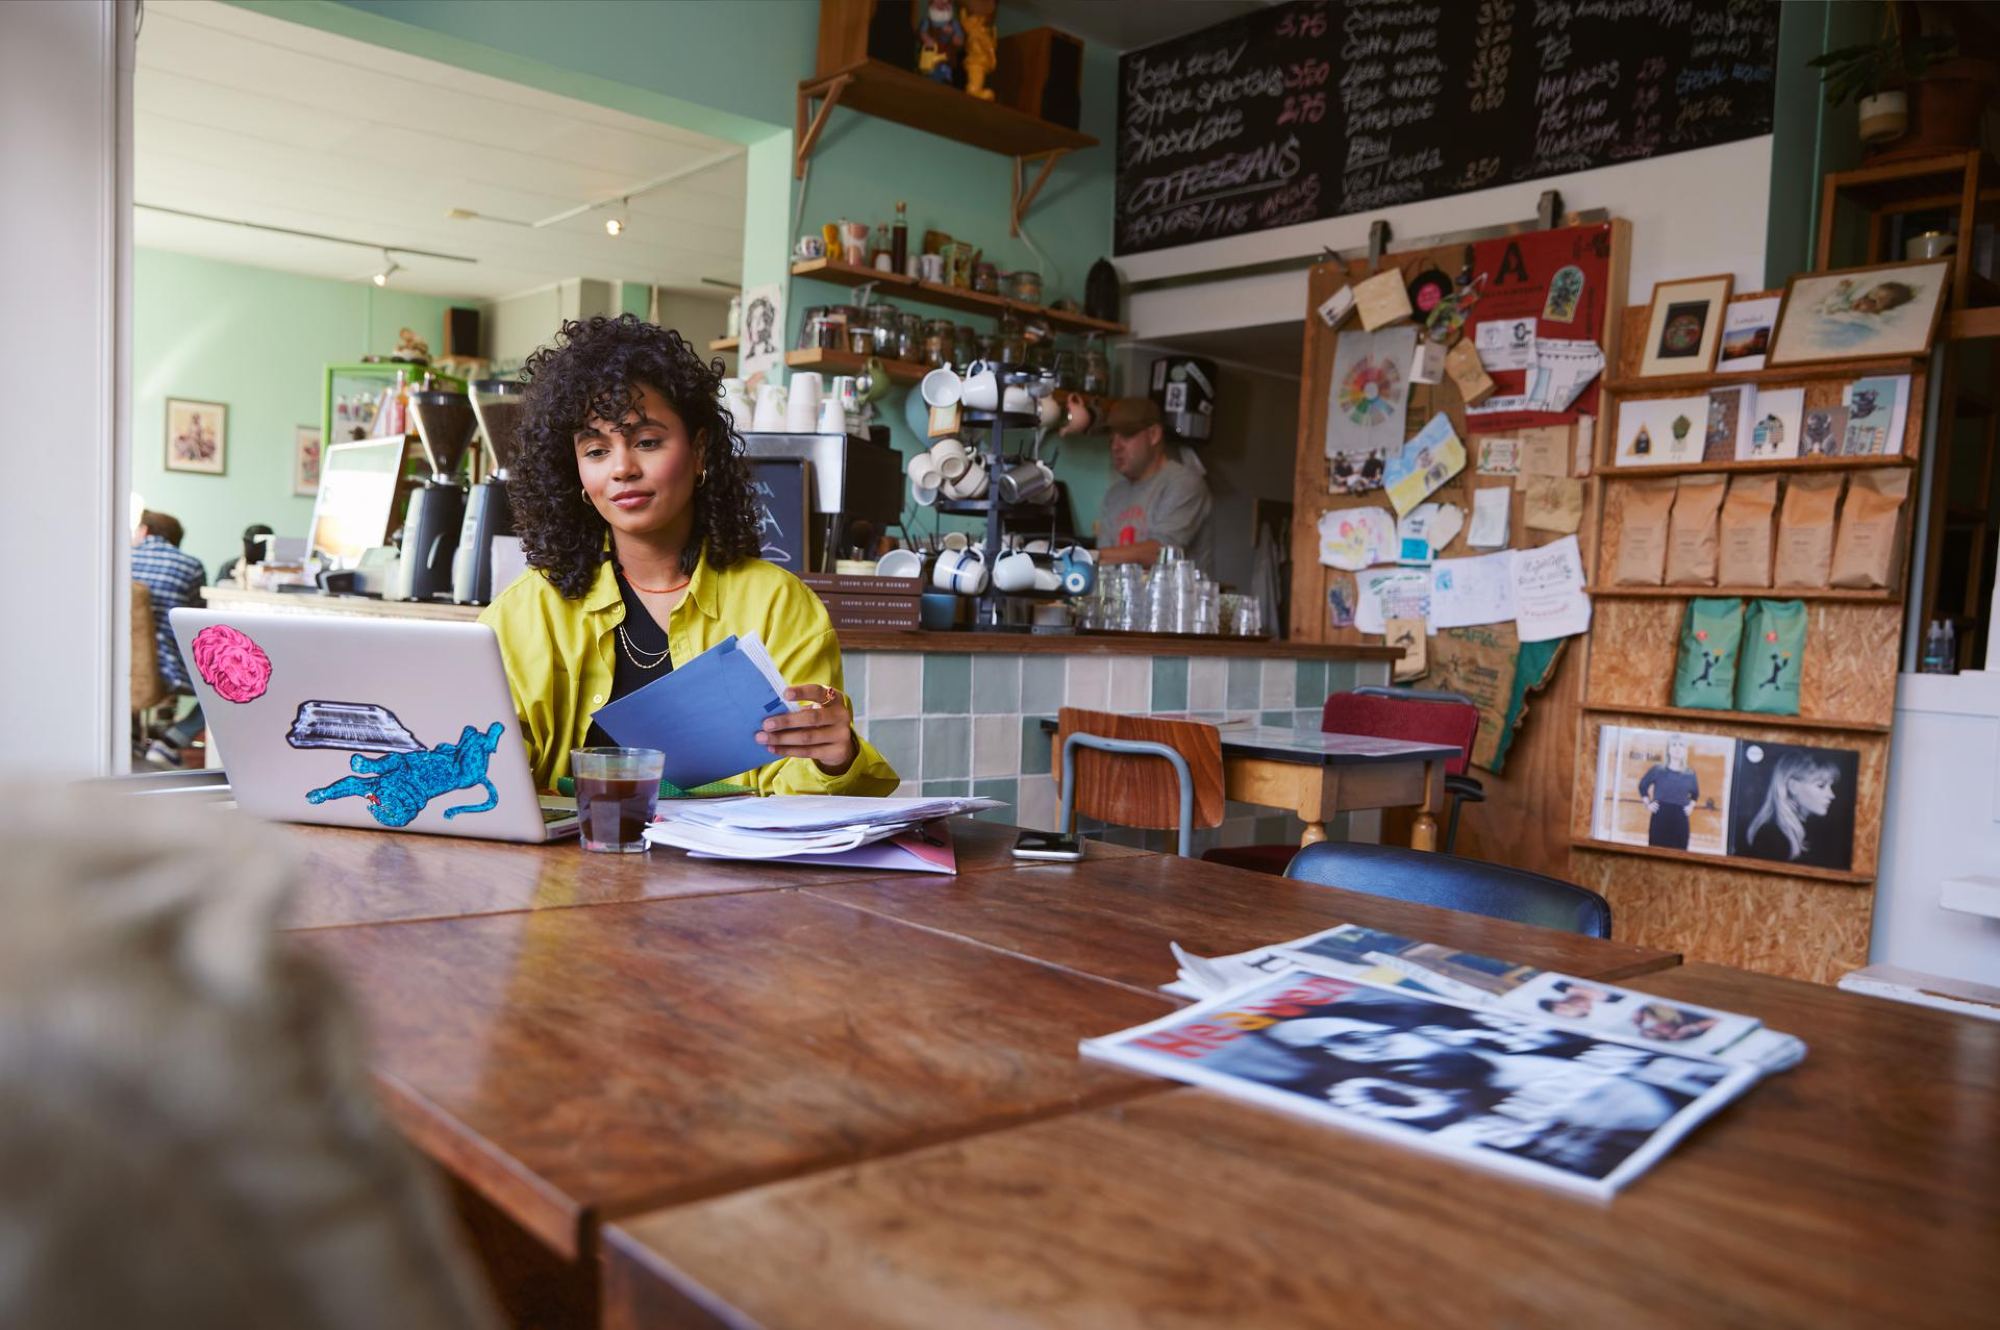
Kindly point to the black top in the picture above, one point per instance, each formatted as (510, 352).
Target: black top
(640, 650)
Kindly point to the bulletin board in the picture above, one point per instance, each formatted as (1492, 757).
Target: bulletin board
(1532, 692)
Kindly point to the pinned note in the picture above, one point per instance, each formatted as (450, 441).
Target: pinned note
(1469, 593)
(1506, 344)
(1491, 507)
(1551, 503)
(1383, 299)
(1549, 600)
(1545, 450)
(1333, 310)
(1462, 364)
(1409, 634)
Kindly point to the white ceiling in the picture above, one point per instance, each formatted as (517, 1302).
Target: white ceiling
(243, 116)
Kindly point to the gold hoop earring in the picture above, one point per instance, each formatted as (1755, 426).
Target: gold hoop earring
(701, 478)
(586, 496)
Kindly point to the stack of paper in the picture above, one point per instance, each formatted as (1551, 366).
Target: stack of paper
(802, 825)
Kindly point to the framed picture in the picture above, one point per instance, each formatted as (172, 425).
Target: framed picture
(1664, 788)
(1685, 327)
(1794, 804)
(197, 436)
(1891, 309)
(305, 460)
(1746, 333)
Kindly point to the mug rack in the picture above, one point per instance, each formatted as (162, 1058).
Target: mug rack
(987, 616)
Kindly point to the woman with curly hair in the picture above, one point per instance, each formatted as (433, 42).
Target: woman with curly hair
(635, 511)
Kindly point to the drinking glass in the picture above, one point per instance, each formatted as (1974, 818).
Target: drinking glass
(617, 791)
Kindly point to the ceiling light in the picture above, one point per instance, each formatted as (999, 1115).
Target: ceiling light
(615, 226)
(382, 278)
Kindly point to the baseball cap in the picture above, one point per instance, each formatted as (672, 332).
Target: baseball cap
(1129, 415)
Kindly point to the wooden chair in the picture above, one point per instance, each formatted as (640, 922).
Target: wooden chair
(1112, 768)
(149, 688)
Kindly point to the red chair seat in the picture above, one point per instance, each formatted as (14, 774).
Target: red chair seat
(1271, 859)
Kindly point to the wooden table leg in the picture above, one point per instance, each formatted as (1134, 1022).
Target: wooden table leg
(1424, 830)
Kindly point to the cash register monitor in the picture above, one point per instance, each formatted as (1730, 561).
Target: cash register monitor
(356, 500)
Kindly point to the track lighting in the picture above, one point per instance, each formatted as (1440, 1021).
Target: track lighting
(382, 278)
(615, 226)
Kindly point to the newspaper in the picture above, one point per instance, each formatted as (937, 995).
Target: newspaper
(1587, 1006)
(1487, 1087)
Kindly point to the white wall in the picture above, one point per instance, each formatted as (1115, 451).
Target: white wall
(1941, 820)
(1693, 214)
(65, 264)
(519, 324)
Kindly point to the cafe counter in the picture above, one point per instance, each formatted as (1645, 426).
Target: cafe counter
(960, 713)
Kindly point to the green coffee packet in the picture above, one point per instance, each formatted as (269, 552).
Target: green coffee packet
(1711, 638)
(1774, 648)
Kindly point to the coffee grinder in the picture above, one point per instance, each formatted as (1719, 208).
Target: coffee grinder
(497, 404)
(437, 506)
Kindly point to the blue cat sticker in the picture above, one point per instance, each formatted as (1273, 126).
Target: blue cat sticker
(398, 786)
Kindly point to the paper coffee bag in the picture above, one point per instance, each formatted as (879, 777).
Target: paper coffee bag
(1748, 528)
(1805, 530)
(1691, 535)
(1642, 533)
(1866, 551)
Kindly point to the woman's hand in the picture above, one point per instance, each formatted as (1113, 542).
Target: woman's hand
(1652, 806)
(823, 729)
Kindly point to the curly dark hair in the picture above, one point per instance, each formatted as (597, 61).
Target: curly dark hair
(593, 371)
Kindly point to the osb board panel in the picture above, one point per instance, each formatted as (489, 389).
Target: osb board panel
(1848, 675)
(1871, 784)
(1816, 931)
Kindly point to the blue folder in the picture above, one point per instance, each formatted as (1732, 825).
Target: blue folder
(703, 716)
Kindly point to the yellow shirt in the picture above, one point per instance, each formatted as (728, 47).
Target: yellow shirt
(559, 657)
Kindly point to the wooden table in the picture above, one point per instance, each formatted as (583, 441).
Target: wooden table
(368, 877)
(1318, 775)
(1862, 1188)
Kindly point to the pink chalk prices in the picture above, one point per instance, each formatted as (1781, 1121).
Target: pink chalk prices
(230, 663)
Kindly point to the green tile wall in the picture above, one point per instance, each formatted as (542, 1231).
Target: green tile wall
(1170, 683)
(947, 684)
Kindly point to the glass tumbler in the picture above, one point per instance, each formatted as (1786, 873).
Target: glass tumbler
(617, 791)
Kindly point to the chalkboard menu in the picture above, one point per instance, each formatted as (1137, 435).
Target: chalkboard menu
(1321, 108)
(780, 491)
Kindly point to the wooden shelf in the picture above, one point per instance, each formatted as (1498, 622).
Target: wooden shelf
(1670, 384)
(725, 344)
(950, 297)
(908, 98)
(1878, 596)
(1870, 462)
(1725, 861)
(1967, 325)
(1895, 181)
(847, 362)
(1740, 718)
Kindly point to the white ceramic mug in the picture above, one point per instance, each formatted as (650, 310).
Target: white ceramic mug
(941, 388)
(971, 485)
(832, 420)
(982, 389)
(963, 571)
(1047, 578)
(810, 248)
(769, 417)
(900, 563)
(953, 458)
(1015, 572)
(1019, 399)
(924, 473)
(1049, 410)
(955, 540)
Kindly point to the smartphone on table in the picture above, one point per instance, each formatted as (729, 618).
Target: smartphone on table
(1048, 845)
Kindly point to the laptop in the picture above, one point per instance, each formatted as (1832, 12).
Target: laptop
(348, 720)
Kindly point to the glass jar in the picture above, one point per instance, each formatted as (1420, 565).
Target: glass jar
(965, 345)
(809, 327)
(1025, 285)
(909, 336)
(834, 323)
(1013, 345)
(1096, 373)
(989, 347)
(882, 324)
(986, 278)
(939, 343)
(860, 333)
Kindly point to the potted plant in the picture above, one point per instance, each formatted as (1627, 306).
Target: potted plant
(1865, 73)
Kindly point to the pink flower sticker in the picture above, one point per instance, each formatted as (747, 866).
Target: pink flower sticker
(230, 663)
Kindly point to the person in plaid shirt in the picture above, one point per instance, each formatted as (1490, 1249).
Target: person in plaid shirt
(173, 578)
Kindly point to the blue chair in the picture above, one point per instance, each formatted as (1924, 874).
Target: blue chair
(1425, 877)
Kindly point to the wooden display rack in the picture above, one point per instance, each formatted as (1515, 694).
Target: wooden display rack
(1806, 922)
(1525, 818)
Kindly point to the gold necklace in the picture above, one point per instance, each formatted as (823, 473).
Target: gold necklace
(633, 653)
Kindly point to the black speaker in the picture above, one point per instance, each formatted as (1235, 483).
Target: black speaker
(461, 333)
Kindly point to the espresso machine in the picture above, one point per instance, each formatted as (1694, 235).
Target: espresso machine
(437, 506)
(497, 405)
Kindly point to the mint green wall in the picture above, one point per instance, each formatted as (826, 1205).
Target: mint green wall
(255, 340)
(1810, 138)
(732, 68)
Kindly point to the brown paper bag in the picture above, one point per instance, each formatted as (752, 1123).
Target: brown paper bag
(1384, 299)
(1551, 503)
(1748, 529)
(1642, 533)
(1409, 634)
(1462, 363)
(1866, 552)
(1805, 530)
(1691, 536)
